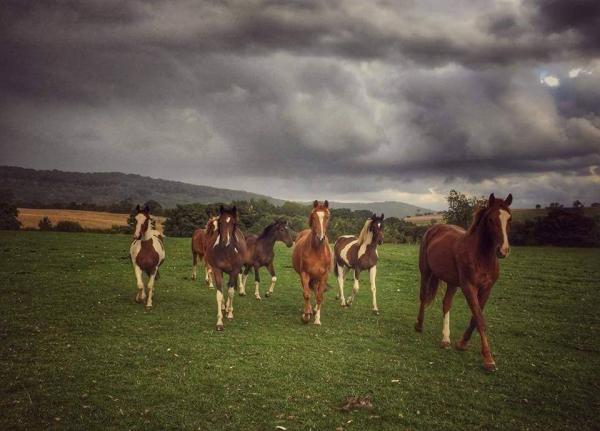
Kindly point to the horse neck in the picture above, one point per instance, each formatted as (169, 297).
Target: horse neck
(315, 243)
(368, 243)
(484, 246)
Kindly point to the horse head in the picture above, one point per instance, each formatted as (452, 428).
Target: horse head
(376, 228)
(319, 219)
(282, 232)
(226, 225)
(142, 222)
(497, 217)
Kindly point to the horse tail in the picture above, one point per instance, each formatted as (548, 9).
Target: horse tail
(429, 282)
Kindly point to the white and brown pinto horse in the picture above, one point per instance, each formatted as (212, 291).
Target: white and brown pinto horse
(359, 254)
(147, 253)
(311, 259)
(225, 254)
(200, 240)
(468, 259)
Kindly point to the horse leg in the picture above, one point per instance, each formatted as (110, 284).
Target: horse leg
(463, 344)
(354, 289)
(372, 275)
(151, 289)
(140, 296)
(256, 282)
(219, 284)
(208, 275)
(243, 278)
(233, 277)
(341, 273)
(305, 280)
(473, 300)
(320, 288)
(429, 286)
(194, 265)
(271, 270)
(446, 305)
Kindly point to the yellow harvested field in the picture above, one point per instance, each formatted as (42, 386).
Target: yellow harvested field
(424, 219)
(30, 218)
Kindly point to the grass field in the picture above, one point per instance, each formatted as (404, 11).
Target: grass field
(30, 217)
(77, 353)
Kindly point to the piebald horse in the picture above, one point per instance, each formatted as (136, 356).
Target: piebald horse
(260, 253)
(147, 253)
(359, 254)
(225, 254)
(200, 240)
(311, 259)
(468, 259)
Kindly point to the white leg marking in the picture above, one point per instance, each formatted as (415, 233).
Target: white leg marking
(318, 315)
(151, 289)
(341, 273)
(354, 291)
(209, 276)
(230, 293)
(446, 328)
(372, 276)
(256, 290)
(141, 295)
(219, 308)
(273, 281)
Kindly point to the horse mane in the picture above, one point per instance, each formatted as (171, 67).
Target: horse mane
(478, 215)
(267, 230)
(362, 236)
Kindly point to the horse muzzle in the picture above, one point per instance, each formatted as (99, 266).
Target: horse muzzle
(501, 253)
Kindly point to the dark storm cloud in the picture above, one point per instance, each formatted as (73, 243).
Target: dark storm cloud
(352, 98)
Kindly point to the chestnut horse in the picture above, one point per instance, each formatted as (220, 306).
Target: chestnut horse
(147, 252)
(312, 259)
(468, 259)
(260, 253)
(200, 240)
(224, 254)
(359, 254)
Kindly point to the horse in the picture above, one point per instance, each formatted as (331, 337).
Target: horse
(200, 240)
(225, 254)
(468, 259)
(312, 260)
(260, 253)
(359, 254)
(147, 253)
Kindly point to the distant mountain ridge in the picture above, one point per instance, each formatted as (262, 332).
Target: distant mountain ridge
(105, 188)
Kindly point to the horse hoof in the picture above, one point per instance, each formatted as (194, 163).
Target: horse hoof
(418, 328)
(242, 293)
(445, 344)
(220, 328)
(258, 298)
(305, 318)
(148, 307)
(490, 367)
(229, 319)
(376, 312)
(337, 297)
(461, 345)
(267, 295)
(317, 323)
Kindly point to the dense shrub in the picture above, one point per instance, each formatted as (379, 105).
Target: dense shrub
(8, 212)
(68, 226)
(45, 224)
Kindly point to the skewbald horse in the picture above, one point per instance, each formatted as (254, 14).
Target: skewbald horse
(359, 254)
(225, 254)
(311, 259)
(200, 240)
(147, 253)
(468, 259)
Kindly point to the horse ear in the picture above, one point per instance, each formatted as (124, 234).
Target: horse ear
(326, 203)
(491, 199)
(381, 216)
(221, 209)
(315, 203)
(374, 216)
(146, 210)
(508, 200)
(138, 209)
(234, 210)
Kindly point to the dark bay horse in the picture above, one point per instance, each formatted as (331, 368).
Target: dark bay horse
(225, 254)
(147, 253)
(468, 259)
(200, 240)
(260, 253)
(311, 259)
(359, 254)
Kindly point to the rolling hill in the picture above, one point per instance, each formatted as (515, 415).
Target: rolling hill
(45, 187)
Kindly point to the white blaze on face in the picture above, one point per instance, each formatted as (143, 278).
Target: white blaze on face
(228, 239)
(321, 215)
(504, 217)
(139, 221)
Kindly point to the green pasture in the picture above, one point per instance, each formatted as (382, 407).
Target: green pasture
(77, 353)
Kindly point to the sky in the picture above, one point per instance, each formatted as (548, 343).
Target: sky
(341, 100)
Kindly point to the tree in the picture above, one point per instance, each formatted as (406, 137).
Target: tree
(554, 205)
(45, 224)
(537, 206)
(8, 211)
(461, 207)
(68, 226)
(577, 204)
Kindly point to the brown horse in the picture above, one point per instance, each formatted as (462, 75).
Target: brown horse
(468, 259)
(312, 259)
(359, 254)
(225, 254)
(260, 253)
(147, 253)
(200, 240)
